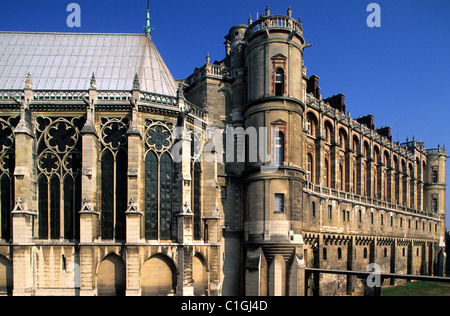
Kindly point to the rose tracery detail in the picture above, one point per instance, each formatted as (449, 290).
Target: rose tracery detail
(59, 145)
(114, 133)
(159, 138)
(61, 137)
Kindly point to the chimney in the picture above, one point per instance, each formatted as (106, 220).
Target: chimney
(385, 131)
(367, 120)
(313, 86)
(337, 102)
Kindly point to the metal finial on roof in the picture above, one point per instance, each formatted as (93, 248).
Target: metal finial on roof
(148, 29)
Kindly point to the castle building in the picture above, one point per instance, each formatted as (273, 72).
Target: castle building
(116, 179)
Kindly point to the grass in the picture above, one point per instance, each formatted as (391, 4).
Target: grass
(419, 288)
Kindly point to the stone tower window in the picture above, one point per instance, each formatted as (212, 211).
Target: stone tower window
(279, 82)
(310, 168)
(434, 176)
(308, 126)
(435, 204)
(279, 203)
(279, 149)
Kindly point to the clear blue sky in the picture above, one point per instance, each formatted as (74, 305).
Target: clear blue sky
(400, 72)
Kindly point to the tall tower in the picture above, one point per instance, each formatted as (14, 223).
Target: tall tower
(274, 184)
(435, 184)
(434, 195)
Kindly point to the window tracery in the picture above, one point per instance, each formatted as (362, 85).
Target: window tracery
(7, 165)
(114, 182)
(59, 176)
(159, 179)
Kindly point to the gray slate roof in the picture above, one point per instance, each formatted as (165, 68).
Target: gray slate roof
(66, 61)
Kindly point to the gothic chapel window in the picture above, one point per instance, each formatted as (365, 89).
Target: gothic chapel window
(159, 179)
(59, 177)
(114, 168)
(7, 165)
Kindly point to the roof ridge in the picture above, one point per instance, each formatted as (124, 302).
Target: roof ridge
(70, 33)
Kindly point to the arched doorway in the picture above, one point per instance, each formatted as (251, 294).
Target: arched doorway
(6, 276)
(111, 278)
(158, 277)
(200, 276)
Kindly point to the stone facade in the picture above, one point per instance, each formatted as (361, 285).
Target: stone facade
(135, 192)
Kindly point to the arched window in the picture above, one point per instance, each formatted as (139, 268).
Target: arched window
(279, 82)
(365, 253)
(324, 254)
(279, 149)
(159, 183)
(366, 150)
(434, 176)
(356, 147)
(166, 178)
(310, 167)
(151, 196)
(328, 132)
(309, 126)
(365, 186)
(107, 205)
(114, 184)
(343, 139)
(434, 206)
(326, 171)
(55, 207)
(59, 176)
(339, 253)
(7, 196)
(7, 166)
(197, 200)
